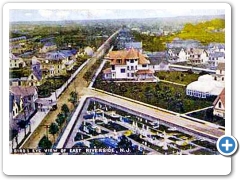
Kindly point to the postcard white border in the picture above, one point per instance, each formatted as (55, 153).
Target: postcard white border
(107, 164)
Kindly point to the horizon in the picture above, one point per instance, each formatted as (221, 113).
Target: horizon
(52, 15)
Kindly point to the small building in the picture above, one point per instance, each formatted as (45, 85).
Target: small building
(48, 46)
(177, 55)
(205, 86)
(215, 58)
(158, 61)
(198, 56)
(220, 72)
(219, 105)
(16, 62)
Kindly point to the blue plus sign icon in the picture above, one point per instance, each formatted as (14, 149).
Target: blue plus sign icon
(227, 145)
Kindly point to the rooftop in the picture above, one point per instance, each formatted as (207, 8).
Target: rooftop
(124, 55)
(22, 91)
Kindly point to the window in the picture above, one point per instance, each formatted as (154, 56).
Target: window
(127, 74)
(127, 67)
(220, 105)
(132, 74)
(144, 65)
(220, 71)
(122, 70)
(32, 77)
(199, 55)
(132, 61)
(136, 67)
(113, 67)
(222, 78)
(216, 58)
(215, 78)
(132, 67)
(203, 95)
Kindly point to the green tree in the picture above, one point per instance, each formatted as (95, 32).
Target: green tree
(23, 125)
(53, 129)
(45, 143)
(60, 119)
(65, 109)
(73, 98)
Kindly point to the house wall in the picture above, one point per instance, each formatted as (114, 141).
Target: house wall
(219, 111)
(219, 72)
(204, 57)
(118, 71)
(182, 55)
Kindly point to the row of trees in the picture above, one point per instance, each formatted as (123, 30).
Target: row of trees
(56, 126)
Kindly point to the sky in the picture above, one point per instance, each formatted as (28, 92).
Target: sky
(76, 14)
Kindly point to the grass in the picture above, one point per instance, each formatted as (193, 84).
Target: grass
(50, 85)
(163, 95)
(207, 115)
(177, 77)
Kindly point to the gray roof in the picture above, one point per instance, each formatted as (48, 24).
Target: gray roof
(135, 45)
(183, 44)
(219, 45)
(37, 71)
(217, 54)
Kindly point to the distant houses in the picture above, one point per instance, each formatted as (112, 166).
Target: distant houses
(193, 53)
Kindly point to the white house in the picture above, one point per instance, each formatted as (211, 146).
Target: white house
(198, 56)
(215, 58)
(219, 105)
(16, 62)
(177, 55)
(220, 73)
(128, 64)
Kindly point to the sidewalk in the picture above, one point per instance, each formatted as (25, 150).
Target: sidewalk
(35, 121)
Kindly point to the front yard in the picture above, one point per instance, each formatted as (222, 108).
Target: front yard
(177, 77)
(164, 95)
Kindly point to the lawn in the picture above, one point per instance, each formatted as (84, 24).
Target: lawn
(207, 115)
(164, 95)
(177, 77)
(51, 85)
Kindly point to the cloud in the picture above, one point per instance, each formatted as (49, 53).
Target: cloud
(45, 13)
(28, 14)
(62, 14)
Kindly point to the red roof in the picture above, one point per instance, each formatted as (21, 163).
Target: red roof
(107, 71)
(221, 96)
(148, 71)
(120, 57)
